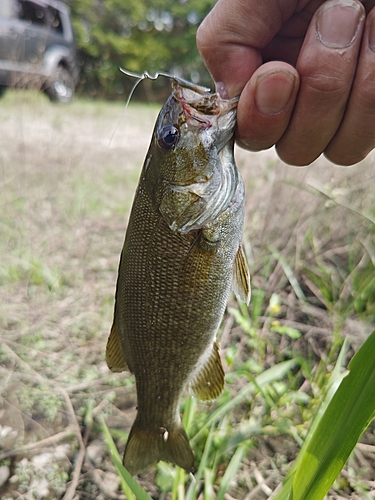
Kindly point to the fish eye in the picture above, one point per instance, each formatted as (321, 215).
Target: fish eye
(168, 137)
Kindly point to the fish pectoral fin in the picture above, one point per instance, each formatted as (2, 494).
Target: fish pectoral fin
(145, 448)
(241, 277)
(113, 354)
(209, 382)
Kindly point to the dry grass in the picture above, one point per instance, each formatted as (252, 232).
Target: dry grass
(67, 178)
(68, 175)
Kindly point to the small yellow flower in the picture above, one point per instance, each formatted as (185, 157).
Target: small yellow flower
(275, 309)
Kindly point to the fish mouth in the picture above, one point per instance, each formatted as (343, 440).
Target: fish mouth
(202, 107)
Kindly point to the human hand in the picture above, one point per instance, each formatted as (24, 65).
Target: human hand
(305, 70)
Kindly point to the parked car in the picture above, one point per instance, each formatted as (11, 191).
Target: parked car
(37, 47)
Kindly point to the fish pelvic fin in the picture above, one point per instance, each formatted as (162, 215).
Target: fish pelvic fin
(241, 277)
(145, 448)
(113, 354)
(208, 384)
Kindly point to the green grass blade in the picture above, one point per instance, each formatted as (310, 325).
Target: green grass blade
(178, 484)
(348, 414)
(190, 409)
(190, 495)
(128, 484)
(285, 490)
(209, 479)
(231, 470)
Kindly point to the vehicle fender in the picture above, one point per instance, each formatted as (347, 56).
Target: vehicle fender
(53, 57)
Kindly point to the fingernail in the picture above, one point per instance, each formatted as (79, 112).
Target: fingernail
(273, 91)
(338, 23)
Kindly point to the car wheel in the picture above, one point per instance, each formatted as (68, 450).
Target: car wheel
(2, 90)
(60, 87)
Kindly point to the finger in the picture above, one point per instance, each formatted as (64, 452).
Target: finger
(326, 66)
(265, 106)
(356, 135)
(231, 36)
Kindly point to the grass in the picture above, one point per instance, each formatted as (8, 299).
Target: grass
(68, 176)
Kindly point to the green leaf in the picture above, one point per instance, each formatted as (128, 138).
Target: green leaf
(334, 382)
(341, 422)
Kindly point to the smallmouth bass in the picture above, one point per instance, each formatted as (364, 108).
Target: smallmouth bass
(182, 255)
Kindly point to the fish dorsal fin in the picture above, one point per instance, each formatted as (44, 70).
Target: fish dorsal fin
(241, 277)
(113, 355)
(209, 382)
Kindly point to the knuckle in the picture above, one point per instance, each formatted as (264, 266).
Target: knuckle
(203, 38)
(200, 35)
(333, 86)
(329, 77)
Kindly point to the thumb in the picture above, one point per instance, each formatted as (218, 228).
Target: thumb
(231, 36)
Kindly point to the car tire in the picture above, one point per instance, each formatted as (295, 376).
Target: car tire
(2, 90)
(60, 87)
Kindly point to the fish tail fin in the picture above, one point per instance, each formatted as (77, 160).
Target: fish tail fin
(145, 448)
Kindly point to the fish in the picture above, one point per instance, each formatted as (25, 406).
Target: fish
(182, 256)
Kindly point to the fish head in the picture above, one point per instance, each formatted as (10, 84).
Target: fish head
(189, 172)
(192, 128)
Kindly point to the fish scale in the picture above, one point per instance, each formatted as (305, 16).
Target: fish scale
(181, 256)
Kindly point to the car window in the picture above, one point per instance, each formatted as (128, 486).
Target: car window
(55, 19)
(8, 9)
(42, 15)
(33, 13)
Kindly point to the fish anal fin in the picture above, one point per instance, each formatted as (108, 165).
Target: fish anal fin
(208, 384)
(241, 277)
(113, 354)
(145, 448)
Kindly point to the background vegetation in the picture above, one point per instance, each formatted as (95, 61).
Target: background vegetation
(139, 36)
(67, 177)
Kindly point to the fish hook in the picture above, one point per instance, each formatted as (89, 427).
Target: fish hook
(146, 76)
(140, 77)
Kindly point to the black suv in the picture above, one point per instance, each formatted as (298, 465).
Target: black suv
(37, 47)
